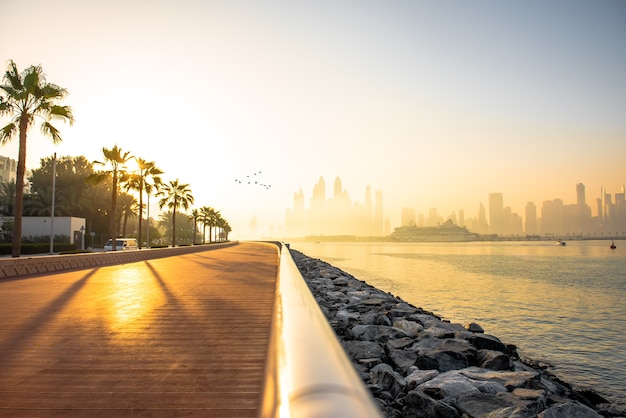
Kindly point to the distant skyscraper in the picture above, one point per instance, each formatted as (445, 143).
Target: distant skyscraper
(531, 219)
(580, 194)
(483, 226)
(496, 213)
(602, 212)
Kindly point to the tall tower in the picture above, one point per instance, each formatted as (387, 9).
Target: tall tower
(580, 194)
(496, 213)
(602, 212)
(531, 219)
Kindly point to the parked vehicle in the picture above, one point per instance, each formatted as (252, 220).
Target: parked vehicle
(121, 244)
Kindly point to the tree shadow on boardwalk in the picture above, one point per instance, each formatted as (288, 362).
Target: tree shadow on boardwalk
(22, 333)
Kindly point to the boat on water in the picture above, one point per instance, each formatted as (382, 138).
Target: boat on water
(613, 245)
(446, 232)
(560, 243)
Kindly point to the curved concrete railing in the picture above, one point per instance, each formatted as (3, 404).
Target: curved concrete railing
(25, 266)
(308, 373)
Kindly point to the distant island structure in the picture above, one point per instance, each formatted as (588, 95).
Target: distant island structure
(337, 215)
(446, 232)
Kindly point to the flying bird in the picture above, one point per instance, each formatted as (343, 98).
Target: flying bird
(252, 180)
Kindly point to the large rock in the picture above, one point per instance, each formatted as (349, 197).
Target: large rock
(509, 379)
(402, 359)
(411, 328)
(363, 349)
(419, 405)
(444, 354)
(569, 410)
(384, 376)
(494, 360)
(448, 386)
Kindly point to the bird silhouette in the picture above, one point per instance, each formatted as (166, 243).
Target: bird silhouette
(252, 180)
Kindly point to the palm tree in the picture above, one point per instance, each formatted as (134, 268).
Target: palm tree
(207, 215)
(28, 95)
(227, 228)
(116, 159)
(150, 187)
(195, 215)
(138, 181)
(214, 217)
(175, 195)
(7, 197)
(127, 205)
(222, 224)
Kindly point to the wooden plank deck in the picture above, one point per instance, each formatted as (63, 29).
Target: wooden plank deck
(176, 336)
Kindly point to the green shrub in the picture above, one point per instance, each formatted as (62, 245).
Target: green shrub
(37, 248)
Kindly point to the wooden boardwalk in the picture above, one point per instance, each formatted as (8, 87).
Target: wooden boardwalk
(176, 336)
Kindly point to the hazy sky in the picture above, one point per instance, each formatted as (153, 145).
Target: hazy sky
(437, 103)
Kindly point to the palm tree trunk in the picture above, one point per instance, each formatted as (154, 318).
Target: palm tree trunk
(125, 223)
(112, 222)
(174, 226)
(16, 243)
(140, 211)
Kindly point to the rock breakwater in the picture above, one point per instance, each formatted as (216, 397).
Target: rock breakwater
(417, 365)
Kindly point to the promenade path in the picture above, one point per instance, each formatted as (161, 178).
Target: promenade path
(177, 336)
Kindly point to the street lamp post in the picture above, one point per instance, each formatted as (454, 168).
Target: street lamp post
(82, 237)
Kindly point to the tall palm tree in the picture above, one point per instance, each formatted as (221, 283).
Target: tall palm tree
(27, 95)
(206, 217)
(7, 197)
(138, 181)
(227, 229)
(175, 195)
(213, 218)
(117, 172)
(195, 216)
(221, 224)
(126, 205)
(149, 188)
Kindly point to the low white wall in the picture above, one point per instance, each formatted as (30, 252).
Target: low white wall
(37, 226)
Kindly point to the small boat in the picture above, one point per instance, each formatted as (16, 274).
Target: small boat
(560, 243)
(613, 245)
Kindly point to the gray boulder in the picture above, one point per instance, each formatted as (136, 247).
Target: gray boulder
(569, 410)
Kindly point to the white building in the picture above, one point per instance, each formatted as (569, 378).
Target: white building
(37, 226)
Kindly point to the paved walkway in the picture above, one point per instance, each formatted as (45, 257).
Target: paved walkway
(176, 336)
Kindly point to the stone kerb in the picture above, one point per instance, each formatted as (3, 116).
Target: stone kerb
(26, 266)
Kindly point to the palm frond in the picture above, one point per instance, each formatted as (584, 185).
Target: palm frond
(12, 75)
(52, 91)
(6, 134)
(32, 79)
(97, 177)
(48, 130)
(62, 112)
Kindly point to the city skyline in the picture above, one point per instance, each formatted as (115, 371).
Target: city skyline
(337, 213)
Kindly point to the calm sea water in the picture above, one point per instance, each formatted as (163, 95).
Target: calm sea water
(564, 305)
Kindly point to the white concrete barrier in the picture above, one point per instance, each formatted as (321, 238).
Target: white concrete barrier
(308, 373)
